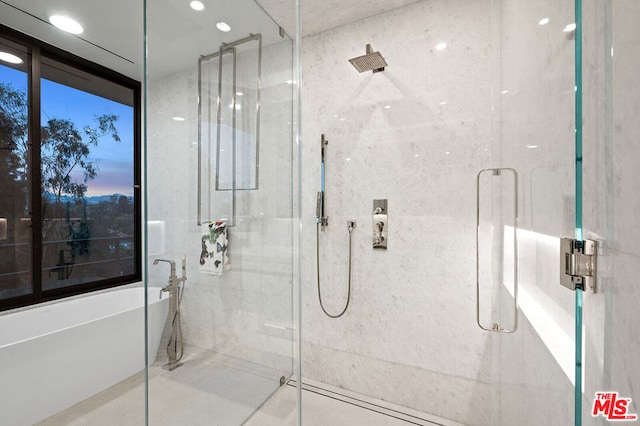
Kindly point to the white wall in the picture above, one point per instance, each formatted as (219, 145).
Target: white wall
(417, 134)
(247, 311)
(612, 102)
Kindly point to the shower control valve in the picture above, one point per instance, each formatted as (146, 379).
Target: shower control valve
(380, 230)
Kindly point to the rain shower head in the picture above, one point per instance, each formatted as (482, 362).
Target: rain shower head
(372, 61)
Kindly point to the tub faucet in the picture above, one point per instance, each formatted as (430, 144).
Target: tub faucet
(173, 281)
(171, 262)
(175, 296)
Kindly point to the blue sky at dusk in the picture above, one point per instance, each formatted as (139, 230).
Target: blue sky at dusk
(114, 159)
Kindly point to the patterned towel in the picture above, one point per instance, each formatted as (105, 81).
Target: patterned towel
(214, 255)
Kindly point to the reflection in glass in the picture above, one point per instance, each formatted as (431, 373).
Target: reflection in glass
(15, 236)
(87, 178)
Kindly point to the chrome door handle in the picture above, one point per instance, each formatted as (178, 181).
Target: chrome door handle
(495, 326)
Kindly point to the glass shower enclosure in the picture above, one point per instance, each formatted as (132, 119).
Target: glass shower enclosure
(473, 135)
(469, 134)
(219, 114)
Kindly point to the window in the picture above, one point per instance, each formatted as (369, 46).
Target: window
(69, 174)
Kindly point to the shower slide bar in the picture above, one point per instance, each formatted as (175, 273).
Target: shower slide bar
(227, 48)
(321, 217)
(496, 326)
(322, 221)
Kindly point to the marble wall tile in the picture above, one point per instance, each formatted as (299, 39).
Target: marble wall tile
(417, 134)
(411, 135)
(247, 311)
(611, 202)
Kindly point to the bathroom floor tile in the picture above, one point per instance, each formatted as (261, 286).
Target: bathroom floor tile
(216, 390)
(324, 405)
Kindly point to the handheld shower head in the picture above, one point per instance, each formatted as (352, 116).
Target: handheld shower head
(320, 213)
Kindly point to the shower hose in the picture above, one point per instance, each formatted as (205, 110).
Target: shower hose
(318, 274)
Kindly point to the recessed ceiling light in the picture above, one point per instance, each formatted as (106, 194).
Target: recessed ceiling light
(176, 118)
(443, 103)
(504, 92)
(543, 21)
(197, 5)
(223, 26)
(239, 93)
(10, 58)
(569, 28)
(66, 24)
(441, 46)
(290, 82)
(387, 106)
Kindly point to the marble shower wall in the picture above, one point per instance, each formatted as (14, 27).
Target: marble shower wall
(246, 312)
(611, 203)
(417, 134)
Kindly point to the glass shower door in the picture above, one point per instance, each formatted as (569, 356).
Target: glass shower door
(219, 185)
(527, 202)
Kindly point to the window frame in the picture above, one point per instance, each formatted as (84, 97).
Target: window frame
(37, 49)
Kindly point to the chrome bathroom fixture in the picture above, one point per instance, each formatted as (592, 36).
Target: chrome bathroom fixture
(321, 218)
(351, 224)
(371, 61)
(175, 288)
(380, 229)
(578, 264)
(322, 221)
(208, 97)
(495, 178)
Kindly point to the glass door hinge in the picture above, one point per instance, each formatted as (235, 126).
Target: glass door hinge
(578, 264)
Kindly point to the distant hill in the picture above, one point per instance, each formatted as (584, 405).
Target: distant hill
(89, 200)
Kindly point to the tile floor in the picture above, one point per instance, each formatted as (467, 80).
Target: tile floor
(200, 393)
(208, 389)
(324, 405)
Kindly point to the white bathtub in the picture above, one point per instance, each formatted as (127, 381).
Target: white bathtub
(56, 355)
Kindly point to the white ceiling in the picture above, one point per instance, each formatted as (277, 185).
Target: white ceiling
(114, 28)
(321, 15)
(109, 24)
